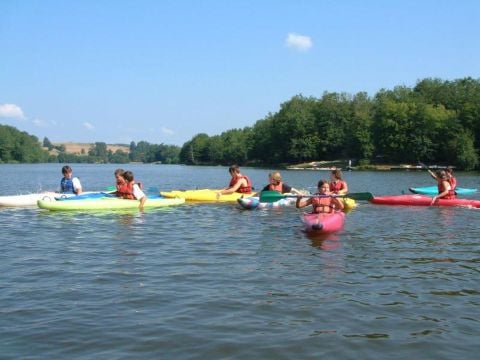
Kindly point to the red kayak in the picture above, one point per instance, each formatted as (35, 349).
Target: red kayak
(323, 222)
(422, 200)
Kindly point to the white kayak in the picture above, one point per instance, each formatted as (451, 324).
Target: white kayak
(31, 199)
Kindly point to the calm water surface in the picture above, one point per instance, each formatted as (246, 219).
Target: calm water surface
(212, 281)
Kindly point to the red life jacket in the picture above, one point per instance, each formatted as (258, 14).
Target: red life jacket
(242, 189)
(125, 190)
(453, 182)
(336, 186)
(322, 205)
(451, 192)
(278, 187)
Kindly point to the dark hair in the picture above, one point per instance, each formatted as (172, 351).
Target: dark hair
(321, 183)
(66, 169)
(128, 175)
(234, 169)
(337, 173)
(119, 172)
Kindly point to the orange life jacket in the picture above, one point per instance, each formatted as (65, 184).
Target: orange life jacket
(277, 187)
(336, 186)
(125, 190)
(451, 192)
(322, 205)
(242, 189)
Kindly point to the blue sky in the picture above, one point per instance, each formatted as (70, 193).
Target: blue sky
(163, 71)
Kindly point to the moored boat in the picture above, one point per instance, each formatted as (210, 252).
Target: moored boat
(323, 222)
(422, 200)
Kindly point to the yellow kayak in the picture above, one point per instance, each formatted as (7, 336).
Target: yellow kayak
(348, 204)
(204, 195)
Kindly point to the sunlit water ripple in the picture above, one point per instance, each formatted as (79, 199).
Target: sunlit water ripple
(206, 281)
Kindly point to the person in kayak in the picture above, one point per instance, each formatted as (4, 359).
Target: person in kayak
(337, 184)
(239, 183)
(276, 184)
(127, 188)
(450, 177)
(445, 190)
(70, 184)
(325, 202)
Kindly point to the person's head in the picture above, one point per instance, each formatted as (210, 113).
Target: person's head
(275, 177)
(449, 170)
(67, 171)
(119, 174)
(323, 186)
(441, 174)
(234, 170)
(128, 176)
(337, 174)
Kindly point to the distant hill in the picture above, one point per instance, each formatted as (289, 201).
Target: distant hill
(76, 148)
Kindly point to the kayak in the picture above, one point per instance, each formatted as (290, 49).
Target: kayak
(106, 203)
(253, 202)
(422, 200)
(204, 195)
(348, 204)
(31, 199)
(433, 190)
(323, 222)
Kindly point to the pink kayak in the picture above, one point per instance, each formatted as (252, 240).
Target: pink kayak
(422, 200)
(323, 223)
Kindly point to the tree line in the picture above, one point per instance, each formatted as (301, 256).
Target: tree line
(20, 147)
(435, 121)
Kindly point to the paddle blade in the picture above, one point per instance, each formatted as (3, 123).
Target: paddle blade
(270, 196)
(360, 196)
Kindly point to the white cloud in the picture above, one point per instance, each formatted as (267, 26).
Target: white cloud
(88, 126)
(40, 123)
(298, 42)
(11, 111)
(167, 131)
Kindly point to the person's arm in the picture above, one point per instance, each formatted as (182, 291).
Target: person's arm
(432, 174)
(77, 186)
(302, 203)
(234, 188)
(139, 195)
(338, 203)
(444, 193)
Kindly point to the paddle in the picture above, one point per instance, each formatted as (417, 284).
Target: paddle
(272, 196)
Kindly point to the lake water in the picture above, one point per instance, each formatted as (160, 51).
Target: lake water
(212, 281)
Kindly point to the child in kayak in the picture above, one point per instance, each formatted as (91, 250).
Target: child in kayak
(70, 184)
(326, 202)
(276, 184)
(127, 188)
(445, 190)
(239, 183)
(338, 185)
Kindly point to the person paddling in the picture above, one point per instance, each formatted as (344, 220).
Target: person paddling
(127, 188)
(322, 203)
(276, 184)
(338, 185)
(70, 184)
(445, 190)
(239, 183)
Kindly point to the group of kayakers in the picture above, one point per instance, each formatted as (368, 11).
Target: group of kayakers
(126, 187)
(326, 202)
